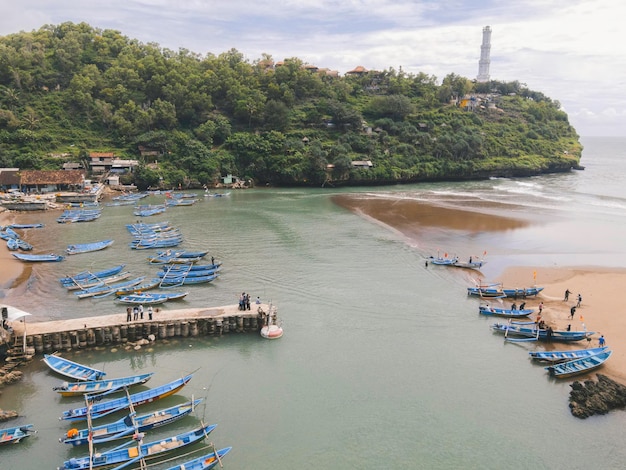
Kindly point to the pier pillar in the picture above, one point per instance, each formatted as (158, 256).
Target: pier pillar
(91, 338)
(38, 343)
(193, 328)
(184, 329)
(162, 331)
(99, 332)
(82, 339)
(123, 333)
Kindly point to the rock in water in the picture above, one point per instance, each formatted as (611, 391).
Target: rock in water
(590, 398)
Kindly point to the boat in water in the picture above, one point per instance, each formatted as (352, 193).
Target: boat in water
(72, 369)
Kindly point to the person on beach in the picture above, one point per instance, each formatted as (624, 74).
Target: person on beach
(129, 312)
(567, 293)
(569, 327)
(601, 341)
(572, 312)
(540, 307)
(514, 306)
(522, 305)
(580, 299)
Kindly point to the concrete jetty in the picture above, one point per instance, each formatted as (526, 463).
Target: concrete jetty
(79, 333)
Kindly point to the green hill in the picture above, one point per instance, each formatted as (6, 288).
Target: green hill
(71, 89)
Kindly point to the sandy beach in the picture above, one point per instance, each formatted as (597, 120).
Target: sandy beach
(12, 271)
(597, 286)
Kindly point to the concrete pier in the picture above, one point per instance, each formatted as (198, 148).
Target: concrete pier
(79, 333)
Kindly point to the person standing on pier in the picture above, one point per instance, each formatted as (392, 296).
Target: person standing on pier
(247, 302)
(129, 311)
(150, 312)
(135, 313)
(141, 311)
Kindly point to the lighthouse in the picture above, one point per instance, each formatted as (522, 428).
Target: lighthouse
(485, 50)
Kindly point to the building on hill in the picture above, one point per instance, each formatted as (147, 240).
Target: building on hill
(358, 71)
(104, 162)
(52, 181)
(9, 179)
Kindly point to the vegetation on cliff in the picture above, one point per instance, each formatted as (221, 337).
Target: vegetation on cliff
(71, 89)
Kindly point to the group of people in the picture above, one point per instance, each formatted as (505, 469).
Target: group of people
(244, 301)
(579, 298)
(136, 313)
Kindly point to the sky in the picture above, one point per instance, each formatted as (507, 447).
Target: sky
(570, 50)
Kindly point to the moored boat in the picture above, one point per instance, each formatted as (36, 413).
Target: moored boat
(530, 332)
(520, 293)
(564, 356)
(129, 453)
(103, 408)
(129, 425)
(93, 387)
(72, 369)
(204, 462)
(88, 247)
(106, 289)
(38, 258)
(578, 366)
(504, 312)
(85, 275)
(150, 298)
(15, 434)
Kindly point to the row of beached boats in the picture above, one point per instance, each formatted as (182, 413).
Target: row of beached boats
(130, 429)
(519, 329)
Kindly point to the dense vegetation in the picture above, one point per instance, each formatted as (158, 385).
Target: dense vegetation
(71, 89)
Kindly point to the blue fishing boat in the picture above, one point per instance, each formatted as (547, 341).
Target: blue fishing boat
(97, 281)
(150, 298)
(128, 453)
(25, 226)
(72, 369)
(106, 289)
(523, 292)
(87, 275)
(24, 245)
(38, 258)
(493, 291)
(103, 408)
(504, 312)
(177, 256)
(187, 273)
(564, 356)
(443, 260)
(191, 267)
(96, 387)
(12, 244)
(528, 331)
(150, 284)
(204, 462)
(15, 434)
(159, 243)
(578, 366)
(128, 425)
(173, 281)
(88, 247)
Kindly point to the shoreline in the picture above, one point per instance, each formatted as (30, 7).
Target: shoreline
(13, 271)
(597, 285)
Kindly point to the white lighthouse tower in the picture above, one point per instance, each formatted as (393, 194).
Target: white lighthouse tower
(485, 50)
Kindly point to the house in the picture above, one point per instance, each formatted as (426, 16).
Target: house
(101, 162)
(358, 71)
(149, 151)
(73, 166)
(362, 164)
(52, 181)
(9, 179)
(120, 166)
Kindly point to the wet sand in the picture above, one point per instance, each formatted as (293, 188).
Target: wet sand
(599, 287)
(12, 271)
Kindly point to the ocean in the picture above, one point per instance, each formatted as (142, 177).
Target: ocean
(384, 363)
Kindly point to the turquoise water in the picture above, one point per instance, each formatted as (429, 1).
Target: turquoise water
(384, 364)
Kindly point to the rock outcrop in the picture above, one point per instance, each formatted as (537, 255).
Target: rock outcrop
(591, 398)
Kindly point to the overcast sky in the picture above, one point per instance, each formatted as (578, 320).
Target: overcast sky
(570, 50)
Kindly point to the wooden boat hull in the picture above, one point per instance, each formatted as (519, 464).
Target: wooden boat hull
(104, 408)
(532, 332)
(125, 427)
(579, 366)
(72, 369)
(38, 258)
(16, 434)
(204, 462)
(100, 386)
(522, 293)
(564, 356)
(88, 247)
(504, 312)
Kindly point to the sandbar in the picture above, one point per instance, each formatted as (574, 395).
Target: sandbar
(598, 286)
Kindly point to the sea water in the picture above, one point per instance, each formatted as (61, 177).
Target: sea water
(384, 363)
